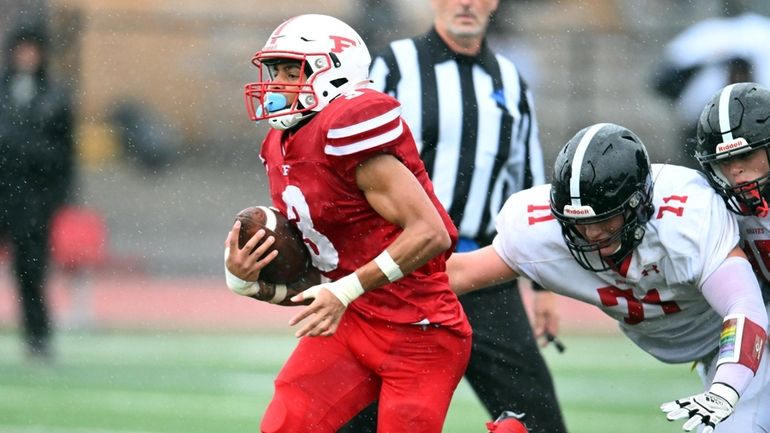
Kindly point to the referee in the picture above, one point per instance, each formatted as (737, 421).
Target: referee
(473, 120)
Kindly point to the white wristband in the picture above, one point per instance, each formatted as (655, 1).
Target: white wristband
(346, 289)
(388, 266)
(237, 285)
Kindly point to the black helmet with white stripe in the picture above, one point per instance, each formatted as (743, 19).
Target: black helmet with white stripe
(733, 124)
(602, 172)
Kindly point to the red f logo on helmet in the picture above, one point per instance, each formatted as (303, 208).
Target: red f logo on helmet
(340, 43)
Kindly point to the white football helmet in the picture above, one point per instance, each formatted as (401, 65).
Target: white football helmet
(332, 57)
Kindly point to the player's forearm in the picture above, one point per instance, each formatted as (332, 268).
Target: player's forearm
(733, 291)
(418, 244)
(476, 270)
(408, 252)
(460, 276)
(413, 248)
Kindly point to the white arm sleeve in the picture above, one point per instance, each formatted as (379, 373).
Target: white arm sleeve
(733, 289)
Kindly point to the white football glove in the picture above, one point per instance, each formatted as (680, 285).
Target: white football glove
(709, 408)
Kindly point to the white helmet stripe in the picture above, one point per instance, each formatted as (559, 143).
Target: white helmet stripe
(577, 162)
(724, 114)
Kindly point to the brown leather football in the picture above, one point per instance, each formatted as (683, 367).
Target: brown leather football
(293, 259)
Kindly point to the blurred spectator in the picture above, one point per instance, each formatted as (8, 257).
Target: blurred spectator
(707, 56)
(36, 170)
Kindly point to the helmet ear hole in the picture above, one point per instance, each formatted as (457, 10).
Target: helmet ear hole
(339, 82)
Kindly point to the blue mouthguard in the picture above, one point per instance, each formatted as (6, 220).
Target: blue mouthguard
(273, 102)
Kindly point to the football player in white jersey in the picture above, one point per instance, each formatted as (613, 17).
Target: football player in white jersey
(662, 260)
(733, 137)
(732, 147)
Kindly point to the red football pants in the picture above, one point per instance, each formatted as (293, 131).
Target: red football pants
(413, 370)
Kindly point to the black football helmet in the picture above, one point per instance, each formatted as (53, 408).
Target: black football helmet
(603, 171)
(734, 123)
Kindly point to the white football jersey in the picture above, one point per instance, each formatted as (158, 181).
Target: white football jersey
(655, 295)
(755, 241)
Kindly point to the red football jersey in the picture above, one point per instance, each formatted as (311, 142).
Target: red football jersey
(312, 175)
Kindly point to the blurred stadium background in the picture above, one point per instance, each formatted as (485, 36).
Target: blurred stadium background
(149, 339)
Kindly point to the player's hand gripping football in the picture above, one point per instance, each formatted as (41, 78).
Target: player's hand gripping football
(246, 263)
(709, 408)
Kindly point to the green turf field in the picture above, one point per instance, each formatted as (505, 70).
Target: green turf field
(203, 383)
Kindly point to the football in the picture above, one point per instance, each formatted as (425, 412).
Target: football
(293, 259)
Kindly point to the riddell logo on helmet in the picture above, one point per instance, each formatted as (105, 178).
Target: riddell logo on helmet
(340, 43)
(579, 211)
(732, 145)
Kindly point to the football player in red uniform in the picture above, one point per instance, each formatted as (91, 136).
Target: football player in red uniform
(343, 165)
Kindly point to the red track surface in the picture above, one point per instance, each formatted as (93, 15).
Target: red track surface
(126, 301)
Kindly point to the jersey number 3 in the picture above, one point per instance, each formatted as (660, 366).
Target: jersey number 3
(322, 252)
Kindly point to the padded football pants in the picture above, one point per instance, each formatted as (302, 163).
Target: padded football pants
(412, 370)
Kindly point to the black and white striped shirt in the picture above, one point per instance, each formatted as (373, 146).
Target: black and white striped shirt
(473, 121)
